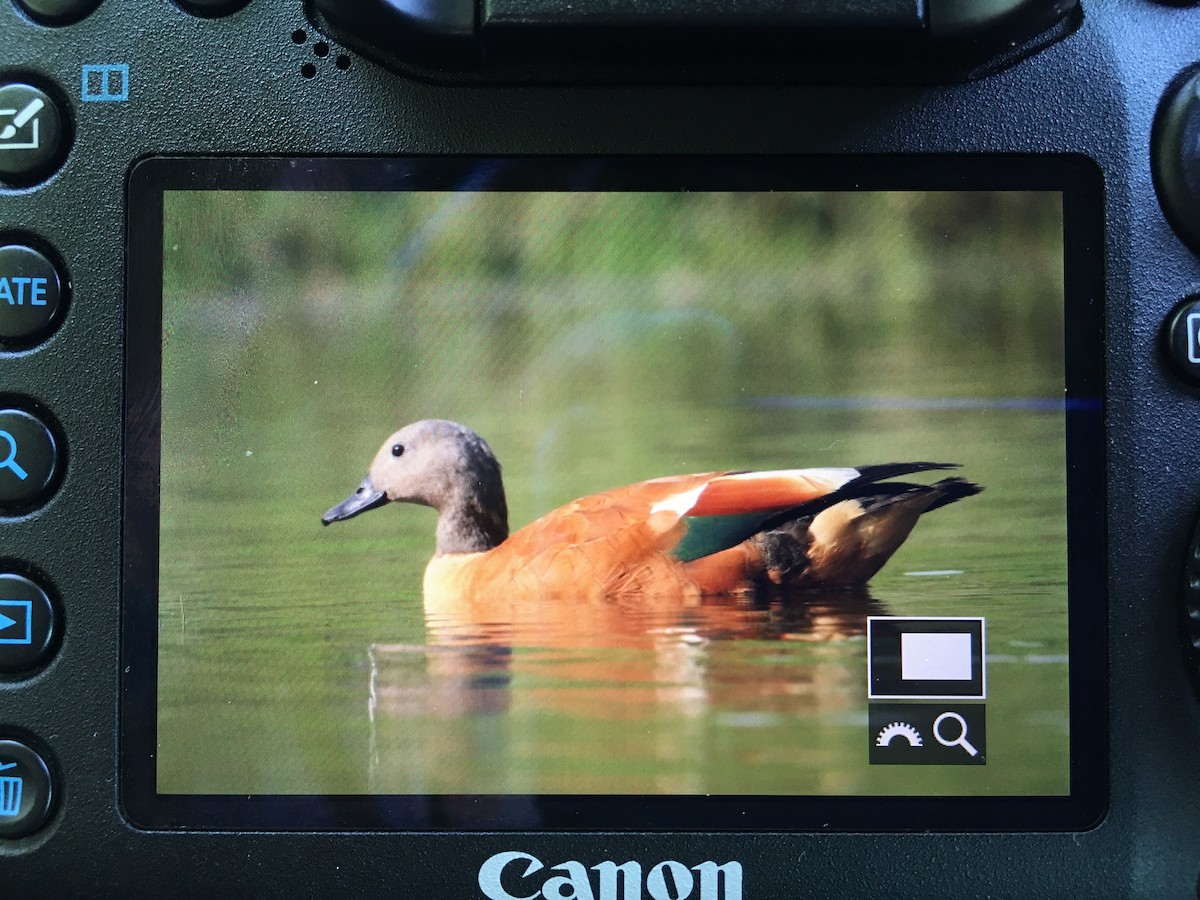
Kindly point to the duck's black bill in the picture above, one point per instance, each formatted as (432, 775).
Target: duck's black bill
(365, 498)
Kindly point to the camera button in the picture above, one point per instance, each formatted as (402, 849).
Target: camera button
(26, 790)
(1182, 338)
(28, 624)
(58, 12)
(33, 133)
(212, 8)
(31, 461)
(1175, 159)
(32, 295)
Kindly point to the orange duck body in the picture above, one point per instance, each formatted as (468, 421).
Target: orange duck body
(682, 536)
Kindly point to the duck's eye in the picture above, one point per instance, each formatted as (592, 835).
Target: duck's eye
(397, 449)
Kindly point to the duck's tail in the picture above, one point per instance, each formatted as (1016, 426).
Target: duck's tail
(851, 539)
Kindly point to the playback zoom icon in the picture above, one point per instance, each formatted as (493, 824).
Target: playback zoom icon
(930, 675)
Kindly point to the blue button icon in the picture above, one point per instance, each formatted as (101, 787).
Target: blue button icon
(17, 630)
(106, 83)
(10, 462)
(31, 463)
(10, 792)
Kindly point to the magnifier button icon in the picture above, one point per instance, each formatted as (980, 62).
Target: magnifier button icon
(10, 462)
(960, 740)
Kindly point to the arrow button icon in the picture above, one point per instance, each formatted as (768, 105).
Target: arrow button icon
(29, 626)
(17, 630)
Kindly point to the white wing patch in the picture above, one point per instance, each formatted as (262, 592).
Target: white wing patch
(679, 503)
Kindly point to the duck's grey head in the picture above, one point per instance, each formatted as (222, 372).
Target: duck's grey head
(440, 464)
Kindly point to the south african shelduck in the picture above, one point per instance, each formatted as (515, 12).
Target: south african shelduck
(690, 535)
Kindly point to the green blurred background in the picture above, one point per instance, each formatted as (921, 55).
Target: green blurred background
(594, 339)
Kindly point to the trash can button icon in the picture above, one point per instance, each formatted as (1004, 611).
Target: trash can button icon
(11, 788)
(26, 790)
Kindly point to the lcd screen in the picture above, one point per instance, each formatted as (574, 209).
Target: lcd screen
(594, 493)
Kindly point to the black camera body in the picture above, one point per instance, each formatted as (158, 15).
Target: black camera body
(142, 100)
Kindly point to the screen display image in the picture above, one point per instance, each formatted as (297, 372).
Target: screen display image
(497, 487)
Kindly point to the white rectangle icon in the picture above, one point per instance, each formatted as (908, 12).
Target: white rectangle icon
(927, 656)
(1193, 320)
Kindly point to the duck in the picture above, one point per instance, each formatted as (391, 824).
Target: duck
(714, 533)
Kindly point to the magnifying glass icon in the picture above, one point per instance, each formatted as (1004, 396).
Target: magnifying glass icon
(961, 740)
(11, 462)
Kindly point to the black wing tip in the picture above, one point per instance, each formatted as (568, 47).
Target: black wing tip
(891, 470)
(956, 484)
(939, 494)
(952, 489)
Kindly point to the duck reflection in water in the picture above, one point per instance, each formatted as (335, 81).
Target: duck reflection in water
(618, 664)
(492, 709)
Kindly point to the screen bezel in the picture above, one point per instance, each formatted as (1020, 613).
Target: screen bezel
(1079, 181)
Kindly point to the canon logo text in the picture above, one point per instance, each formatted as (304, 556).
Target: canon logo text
(510, 876)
